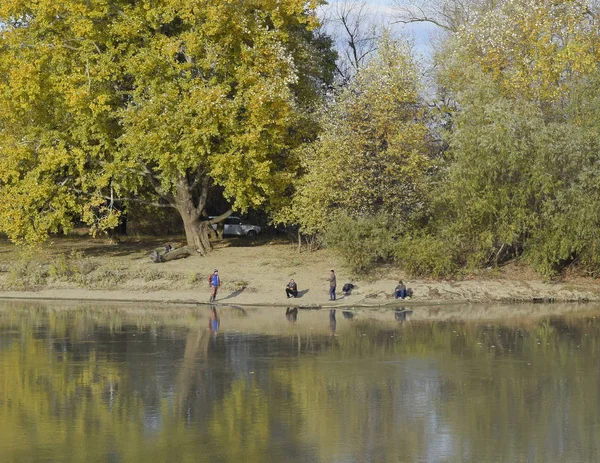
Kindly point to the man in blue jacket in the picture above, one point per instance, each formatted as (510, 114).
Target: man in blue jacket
(214, 281)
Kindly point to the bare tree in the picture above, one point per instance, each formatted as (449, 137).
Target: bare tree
(448, 15)
(355, 29)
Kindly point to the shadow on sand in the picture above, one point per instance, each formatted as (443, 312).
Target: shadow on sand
(233, 294)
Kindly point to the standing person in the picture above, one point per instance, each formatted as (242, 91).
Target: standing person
(291, 290)
(214, 281)
(332, 284)
(400, 291)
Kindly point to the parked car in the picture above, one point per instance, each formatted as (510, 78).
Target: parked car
(234, 226)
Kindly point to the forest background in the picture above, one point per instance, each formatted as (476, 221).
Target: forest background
(485, 152)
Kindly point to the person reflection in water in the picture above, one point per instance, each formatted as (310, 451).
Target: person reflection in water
(402, 315)
(332, 322)
(214, 322)
(291, 313)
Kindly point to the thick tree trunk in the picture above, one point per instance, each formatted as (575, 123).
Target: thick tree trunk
(197, 231)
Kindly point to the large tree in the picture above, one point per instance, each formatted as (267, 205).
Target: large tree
(153, 101)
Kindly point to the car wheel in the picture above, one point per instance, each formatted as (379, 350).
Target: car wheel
(251, 234)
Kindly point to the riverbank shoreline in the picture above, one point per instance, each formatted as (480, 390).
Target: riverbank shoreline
(538, 292)
(88, 269)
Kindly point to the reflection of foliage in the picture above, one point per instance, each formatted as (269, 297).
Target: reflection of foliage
(241, 424)
(374, 392)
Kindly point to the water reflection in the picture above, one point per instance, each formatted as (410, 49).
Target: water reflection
(122, 384)
(402, 315)
(332, 322)
(214, 322)
(348, 315)
(291, 314)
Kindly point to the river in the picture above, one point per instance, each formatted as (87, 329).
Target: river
(91, 382)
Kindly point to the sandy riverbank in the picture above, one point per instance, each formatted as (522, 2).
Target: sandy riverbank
(258, 274)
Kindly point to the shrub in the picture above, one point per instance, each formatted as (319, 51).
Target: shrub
(426, 255)
(194, 278)
(362, 242)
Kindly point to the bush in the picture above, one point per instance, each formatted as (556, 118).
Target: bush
(106, 278)
(426, 255)
(362, 242)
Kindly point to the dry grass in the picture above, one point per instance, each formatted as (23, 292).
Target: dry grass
(102, 263)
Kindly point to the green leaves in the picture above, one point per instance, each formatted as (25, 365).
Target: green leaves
(373, 152)
(150, 100)
(522, 179)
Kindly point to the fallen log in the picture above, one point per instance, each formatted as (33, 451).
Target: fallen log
(172, 254)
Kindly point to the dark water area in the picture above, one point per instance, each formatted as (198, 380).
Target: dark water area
(99, 383)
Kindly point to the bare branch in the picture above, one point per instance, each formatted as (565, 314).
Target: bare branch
(153, 179)
(422, 20)
(448, 15)
(355, 29)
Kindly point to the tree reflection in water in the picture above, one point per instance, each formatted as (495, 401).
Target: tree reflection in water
(84, 384)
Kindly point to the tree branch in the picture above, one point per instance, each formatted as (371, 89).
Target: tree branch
(113, 200)
(204, 195)
(422, 20)
(221, 217)
(168, 197)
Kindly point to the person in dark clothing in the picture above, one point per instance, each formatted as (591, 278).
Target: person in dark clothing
(400, 291)
(291, 290)
(332, 285)
(347, 289)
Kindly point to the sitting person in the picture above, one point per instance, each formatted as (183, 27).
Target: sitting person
(291, 290)
(347, 289)
(400, 291)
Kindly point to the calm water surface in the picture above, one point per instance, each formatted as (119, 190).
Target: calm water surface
(94, 383)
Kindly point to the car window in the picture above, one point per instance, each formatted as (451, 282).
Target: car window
(233, 221)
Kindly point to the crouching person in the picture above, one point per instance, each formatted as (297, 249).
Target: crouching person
(291, 290)
(400, 291)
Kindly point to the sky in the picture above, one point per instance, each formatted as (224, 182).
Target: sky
(419, 33)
